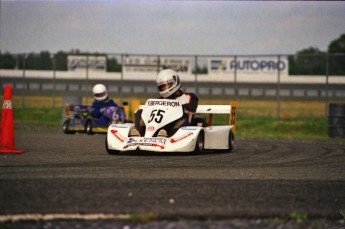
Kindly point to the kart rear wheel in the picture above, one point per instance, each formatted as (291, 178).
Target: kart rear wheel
(88, 127)
(199, 145)
(65, 127)
(110, 151)
(231, 140)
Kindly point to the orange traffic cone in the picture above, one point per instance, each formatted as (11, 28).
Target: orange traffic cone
(7, 127)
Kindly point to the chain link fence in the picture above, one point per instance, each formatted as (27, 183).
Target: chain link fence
(278, 78)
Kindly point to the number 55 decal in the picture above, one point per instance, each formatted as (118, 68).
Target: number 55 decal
(156, 115)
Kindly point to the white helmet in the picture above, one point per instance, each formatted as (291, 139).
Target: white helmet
(168, 82)
(100, 92)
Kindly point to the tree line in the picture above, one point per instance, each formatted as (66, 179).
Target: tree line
(312, 61)
(309, 61)
(47, 61)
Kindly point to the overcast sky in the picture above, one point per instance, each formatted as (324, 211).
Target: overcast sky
(170, 27)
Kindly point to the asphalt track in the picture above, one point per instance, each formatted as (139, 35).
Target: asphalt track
(261, 179)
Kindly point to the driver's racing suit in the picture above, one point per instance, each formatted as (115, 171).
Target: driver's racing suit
(98, 108)
(189, 103)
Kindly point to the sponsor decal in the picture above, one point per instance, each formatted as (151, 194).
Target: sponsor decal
(217, 65)
(188, 128)
(115, 133)
(248, 65)
(258, 65)
(130, 140)
(152, 140)
(144, 144)
(155, 142)
(90, 62)
(173, 140)
(144, 64)
(129, 145)
(163, 103)
(154, 145)
(118, 126)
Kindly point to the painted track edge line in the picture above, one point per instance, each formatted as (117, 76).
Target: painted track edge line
(47, 217)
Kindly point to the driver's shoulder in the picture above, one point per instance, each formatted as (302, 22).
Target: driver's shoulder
(191, 96)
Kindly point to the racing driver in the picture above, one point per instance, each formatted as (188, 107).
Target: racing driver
(169, 87)
(101, 101)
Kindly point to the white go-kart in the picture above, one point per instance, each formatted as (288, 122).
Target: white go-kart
(158, 113)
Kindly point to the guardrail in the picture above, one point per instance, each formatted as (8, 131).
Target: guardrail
(142, 88)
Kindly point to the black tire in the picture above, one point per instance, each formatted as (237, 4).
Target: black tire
(65, 127)
(199, 145)
(109, 151)
(88, 127)
(231, 141)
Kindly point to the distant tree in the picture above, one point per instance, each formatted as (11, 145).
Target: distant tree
(7, 61)
(60, 61)
(200, 70)
(337, 60)
(45, 61)
(20, 61)
(113, 65)
(310, 61)
(75, 51)
(338, 45)
(31, 62)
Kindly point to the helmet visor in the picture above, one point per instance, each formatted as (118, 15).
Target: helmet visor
(166, 86)
(99, 95)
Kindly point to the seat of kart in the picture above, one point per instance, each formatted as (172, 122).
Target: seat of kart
(198, 121)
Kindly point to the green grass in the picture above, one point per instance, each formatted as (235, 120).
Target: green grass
(310, 128)
(294, 128)
(298, 216)
(38, 116)
(299, 120)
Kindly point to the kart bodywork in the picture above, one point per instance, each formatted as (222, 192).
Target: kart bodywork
(157, 113)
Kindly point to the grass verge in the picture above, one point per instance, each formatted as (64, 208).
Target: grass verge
(312, 128)
(298, 120)
(294, 129)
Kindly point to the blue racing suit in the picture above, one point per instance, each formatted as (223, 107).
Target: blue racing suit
(97, 109)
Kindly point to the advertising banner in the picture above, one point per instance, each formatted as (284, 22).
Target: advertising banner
(80, 62)
(155, 64)
(248, 65)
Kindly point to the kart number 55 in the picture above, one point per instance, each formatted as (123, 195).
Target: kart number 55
(156, 115)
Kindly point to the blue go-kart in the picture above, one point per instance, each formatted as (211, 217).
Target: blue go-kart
(78, 119)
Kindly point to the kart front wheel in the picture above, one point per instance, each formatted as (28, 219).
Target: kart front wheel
(88, 127)
(199, 145)
(65, 127)
(110, 151)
